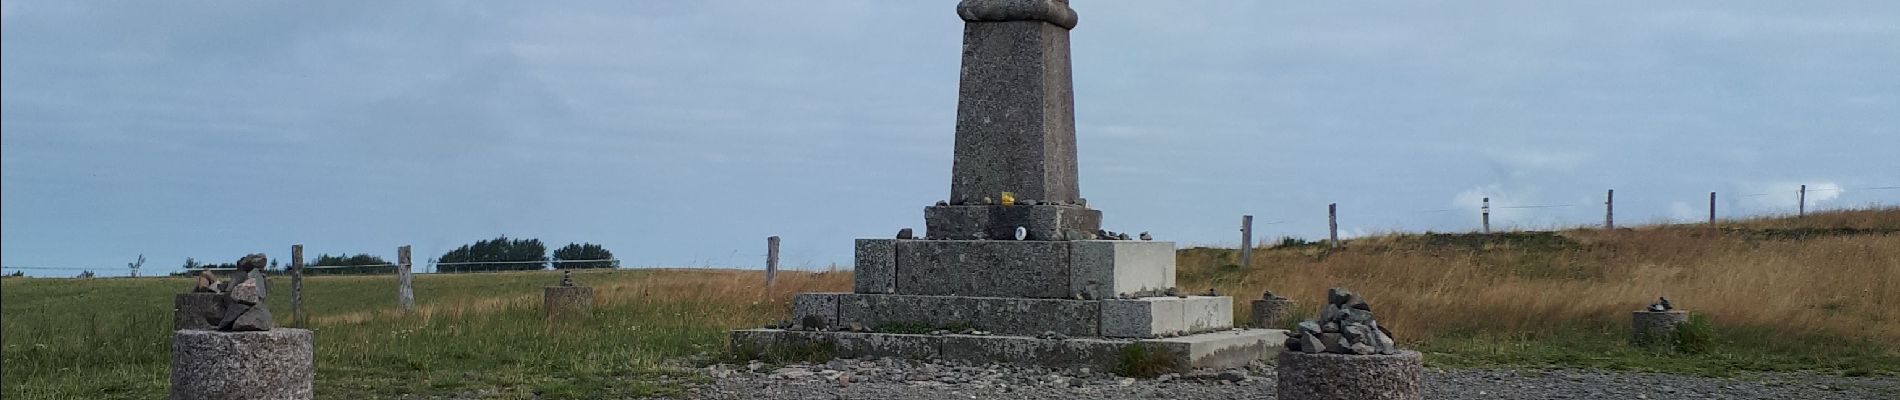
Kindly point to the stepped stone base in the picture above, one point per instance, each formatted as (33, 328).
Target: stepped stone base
(1092, 269)
(1222, 349)
(1148, 317)
(274, 364)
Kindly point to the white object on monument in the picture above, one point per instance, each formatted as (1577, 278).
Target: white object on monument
(1022, 233)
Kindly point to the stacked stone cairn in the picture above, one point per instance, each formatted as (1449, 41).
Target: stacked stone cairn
(567, 299)
(1345, 326)
(230, 349)
(1656, 323)
(1345, 354)
(1014, 266)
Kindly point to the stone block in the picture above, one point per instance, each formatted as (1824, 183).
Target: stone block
(876, 345)
(1146, 317)
(876, 268)
(1207, 313)
(1102, 354)
(1222, 349)
(988, 268)
(273, 364)
(999, 315)
(197, 310)
(569, 301)
(1042, 222)
(816, 310)
(1304, 376)
(1228, 349)
(1106, 268)
(1654, 326)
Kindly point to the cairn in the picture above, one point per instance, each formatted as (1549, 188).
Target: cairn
(1345, 354)
(229, 348)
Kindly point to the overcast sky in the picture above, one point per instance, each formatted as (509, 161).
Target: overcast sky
(682, 133)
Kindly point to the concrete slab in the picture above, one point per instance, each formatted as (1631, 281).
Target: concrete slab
(1213, 350)
(876, 268)
(999, 315)
(988, 268)
(1104, 269)
(1207, 313)
(1150, 317)
(1223, 349)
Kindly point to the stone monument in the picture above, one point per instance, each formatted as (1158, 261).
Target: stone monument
(1014, 267)
(240, 355)
(1657, 323)
(1346, 355)
(567, 299)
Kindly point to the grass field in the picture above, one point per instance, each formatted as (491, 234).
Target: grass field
(1816, 293)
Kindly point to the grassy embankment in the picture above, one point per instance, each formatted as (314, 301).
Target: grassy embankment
(1817, 293)
(478, 334)
(1814, 293)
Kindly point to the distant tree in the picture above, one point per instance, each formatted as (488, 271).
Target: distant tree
(350, 264)
(18, 273)
(85, 275)
(498, 254)
(583, 251)
(192, 263)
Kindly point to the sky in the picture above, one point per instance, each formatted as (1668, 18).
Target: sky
(684, 133)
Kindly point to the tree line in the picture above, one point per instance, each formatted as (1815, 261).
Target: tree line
(499, 254)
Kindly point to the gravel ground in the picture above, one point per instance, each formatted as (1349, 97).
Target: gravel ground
(899, 379)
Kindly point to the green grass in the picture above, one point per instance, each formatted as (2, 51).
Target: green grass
(1731, 351)
(110, 338)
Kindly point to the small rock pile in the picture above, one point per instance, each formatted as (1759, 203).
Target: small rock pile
(1345, 326)
(1661, 305)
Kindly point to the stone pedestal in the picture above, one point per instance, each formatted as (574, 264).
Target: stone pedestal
(274, 364)
(1326, 376)
(197, 310)
(567, 301)
(1652, 326)
(1272, 313)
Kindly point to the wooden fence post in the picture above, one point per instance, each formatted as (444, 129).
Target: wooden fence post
(1486, 210)
(771, 260)
(405, 294)
(297, 318)
(1332, 224)
(1801, 208)
(1609, 210)
(1246, 241)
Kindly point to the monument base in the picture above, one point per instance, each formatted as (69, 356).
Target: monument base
(567, 301)
(1212, 350)
(1654, 326)
(1327, 376)
(197, 310)
(274, 364)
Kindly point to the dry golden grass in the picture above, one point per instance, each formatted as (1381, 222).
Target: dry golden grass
(1835, 274)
